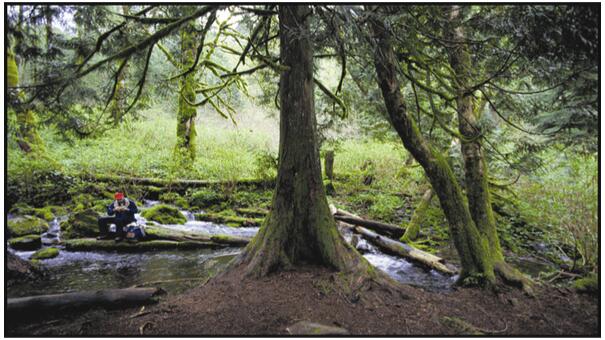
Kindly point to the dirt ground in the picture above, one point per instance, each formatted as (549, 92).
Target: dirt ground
(231, 305)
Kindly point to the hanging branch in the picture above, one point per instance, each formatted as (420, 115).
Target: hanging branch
(106, 35)
(332, 96)
(493, 106)
(115, 82)
(141, 82)
(169, 56)
(200, 47)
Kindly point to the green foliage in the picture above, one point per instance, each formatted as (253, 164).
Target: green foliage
(563, 204)
(266, 165)
(588, 284)
(164, 214)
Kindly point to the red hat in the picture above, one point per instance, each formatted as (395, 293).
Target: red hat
(118, 196)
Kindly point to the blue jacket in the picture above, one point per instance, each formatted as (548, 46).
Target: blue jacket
(123, 217)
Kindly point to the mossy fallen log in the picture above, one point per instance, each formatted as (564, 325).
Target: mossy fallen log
(230, 220)
(252, 212)
(406, 251)
(88, 244)
(111, 298)
(159, 182)
(162, 233)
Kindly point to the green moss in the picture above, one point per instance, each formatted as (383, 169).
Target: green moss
(229, 218)
(164, 214)
(174, 198)
(46, 253)
(205, 198)
(588, 284)
(81, 224)
(21, 208)
(26, 225)
(251, 212)
(27, 242)
(87, 244)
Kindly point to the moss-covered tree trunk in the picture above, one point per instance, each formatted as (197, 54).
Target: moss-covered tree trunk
(413, 228)
(118, 104)
(473, 251)
(299, 229)
(185, 129)
(27, 136)
(475, 165)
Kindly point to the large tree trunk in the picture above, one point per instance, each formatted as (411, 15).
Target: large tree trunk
(119, 101)
(27, 136)
(299, 228)
(475, 165)
(185, 129)
(473, 252)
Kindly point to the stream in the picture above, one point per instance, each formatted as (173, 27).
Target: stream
(85, 270)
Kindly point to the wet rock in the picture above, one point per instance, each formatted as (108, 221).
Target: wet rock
(312, 328)
(46, 253)
(81, 224)
(18, 269)
(27, 242)
(164, 214)
(26, 225)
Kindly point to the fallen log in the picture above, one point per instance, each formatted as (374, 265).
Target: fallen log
(176, 182)
(112, 298)
(155, 232)
(383, 228)
(88, 244)
(406, 251)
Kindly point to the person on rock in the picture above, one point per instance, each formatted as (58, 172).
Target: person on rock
(121, 213)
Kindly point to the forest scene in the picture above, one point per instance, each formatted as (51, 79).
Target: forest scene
(309, 169)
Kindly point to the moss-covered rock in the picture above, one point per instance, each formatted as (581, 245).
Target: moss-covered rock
(26, 225)
(205, 198)
(164, 214)
(83, 202)
(174, 198)
(27, 242)
(152, 192)
(588, 284)
(45, 253)
(81, 224)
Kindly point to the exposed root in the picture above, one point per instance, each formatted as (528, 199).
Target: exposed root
(514, 277)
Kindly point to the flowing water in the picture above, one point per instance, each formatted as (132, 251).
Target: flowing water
(178, 270)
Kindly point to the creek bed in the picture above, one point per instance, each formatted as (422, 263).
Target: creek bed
(77, 270)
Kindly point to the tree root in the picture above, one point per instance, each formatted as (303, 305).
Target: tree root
(514, 277)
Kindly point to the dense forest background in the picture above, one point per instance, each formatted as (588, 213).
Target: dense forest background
(191, 92)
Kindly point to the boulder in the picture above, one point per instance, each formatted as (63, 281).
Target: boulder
(164, 214)
(312, 328)
(205, 198)
(27, 242)
(18, 269)
(81, 224)
(26, 225)
(45, 253)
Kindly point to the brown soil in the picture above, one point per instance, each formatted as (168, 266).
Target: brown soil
(231, 305)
